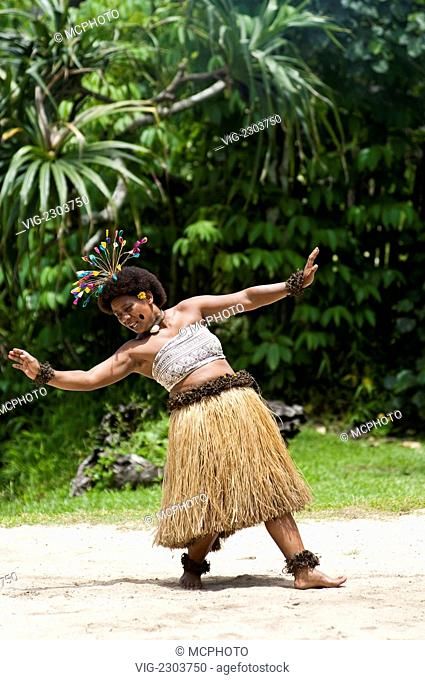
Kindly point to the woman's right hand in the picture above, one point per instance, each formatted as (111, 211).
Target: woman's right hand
(25, 362)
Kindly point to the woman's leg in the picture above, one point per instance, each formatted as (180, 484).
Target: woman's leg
(197, 552)
(285, 534)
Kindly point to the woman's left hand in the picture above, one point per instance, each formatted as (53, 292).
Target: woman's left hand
(310, 269)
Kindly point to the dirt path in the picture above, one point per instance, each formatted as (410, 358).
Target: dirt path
(104, 581)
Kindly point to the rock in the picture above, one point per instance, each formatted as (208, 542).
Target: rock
(288, 418)
(126, 469)
(116, 470)
(321, 429)
(123, 421)
(411, 445)
(112, 439)
(81, 482)
(135, 470)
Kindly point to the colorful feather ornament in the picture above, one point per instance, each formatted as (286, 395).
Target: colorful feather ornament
(109, 260)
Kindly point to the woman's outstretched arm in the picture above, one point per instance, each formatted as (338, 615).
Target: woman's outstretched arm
(110, 371)
(249, 298)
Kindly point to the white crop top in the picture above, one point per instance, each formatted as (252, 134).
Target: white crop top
(193, 347)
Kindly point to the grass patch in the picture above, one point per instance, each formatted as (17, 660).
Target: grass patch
(346, 477)
(357, 473)
(106, 506)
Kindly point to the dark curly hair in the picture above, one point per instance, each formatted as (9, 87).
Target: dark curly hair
(131, 280)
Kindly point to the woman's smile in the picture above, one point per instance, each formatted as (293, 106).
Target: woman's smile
(132, 324)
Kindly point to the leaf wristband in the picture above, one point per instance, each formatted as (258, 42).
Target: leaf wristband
(44, 374)
(295, 282)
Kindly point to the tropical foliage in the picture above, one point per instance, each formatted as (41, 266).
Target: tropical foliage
(129, 114)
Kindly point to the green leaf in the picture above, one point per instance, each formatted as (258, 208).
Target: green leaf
(116, 145)
(370, 316)
(203, 230)
(126, 106)
(259, 353)
(273, 357)
(77, 181)
(120, 169)
(405, 379)
(285, 354)
(181, 246)
(28, 184)
(94, 178)
(335, 314)
(44, 186)
(344, 272)
(19, 159)
(369, 158)
(60, 182)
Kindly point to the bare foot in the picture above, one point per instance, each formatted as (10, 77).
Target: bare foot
(190, 581)
(313, 578)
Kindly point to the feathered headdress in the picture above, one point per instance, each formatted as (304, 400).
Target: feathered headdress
(109, 260)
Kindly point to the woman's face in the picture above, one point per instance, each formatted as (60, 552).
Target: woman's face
(137, 315)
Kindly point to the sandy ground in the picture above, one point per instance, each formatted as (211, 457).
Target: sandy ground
(101, 581)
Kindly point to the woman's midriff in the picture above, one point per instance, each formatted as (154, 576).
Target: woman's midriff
(203, 374)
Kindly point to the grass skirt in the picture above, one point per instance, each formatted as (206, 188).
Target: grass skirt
(226, 453)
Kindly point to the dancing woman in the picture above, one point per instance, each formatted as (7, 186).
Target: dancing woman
(223, 439)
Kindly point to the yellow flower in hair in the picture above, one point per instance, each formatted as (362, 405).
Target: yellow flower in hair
(142, 295)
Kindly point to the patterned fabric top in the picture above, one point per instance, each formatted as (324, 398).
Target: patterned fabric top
(184, 353)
